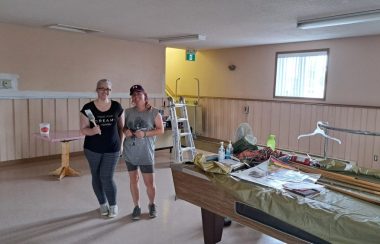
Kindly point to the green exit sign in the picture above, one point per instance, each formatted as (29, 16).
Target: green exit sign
(190, 55)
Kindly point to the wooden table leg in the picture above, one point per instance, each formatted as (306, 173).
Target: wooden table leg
(212, 227)
(65, 169)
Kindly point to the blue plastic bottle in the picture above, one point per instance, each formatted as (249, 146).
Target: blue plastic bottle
(229, 150)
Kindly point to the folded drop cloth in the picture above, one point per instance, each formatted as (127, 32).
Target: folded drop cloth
(211, 166)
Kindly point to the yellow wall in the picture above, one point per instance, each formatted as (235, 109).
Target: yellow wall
(178, 67)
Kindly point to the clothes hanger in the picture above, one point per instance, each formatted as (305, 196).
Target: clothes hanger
(319, 131)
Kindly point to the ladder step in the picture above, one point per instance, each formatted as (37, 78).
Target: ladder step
(182, 119)
(185, 134)
(179, 105)
(185, 149)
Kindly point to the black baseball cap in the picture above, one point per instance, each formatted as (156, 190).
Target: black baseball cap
(136, 88)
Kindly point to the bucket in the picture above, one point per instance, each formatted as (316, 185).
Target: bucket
(246, 142)
(44, 129)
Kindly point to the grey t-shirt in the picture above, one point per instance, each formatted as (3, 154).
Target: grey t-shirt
(140, 151)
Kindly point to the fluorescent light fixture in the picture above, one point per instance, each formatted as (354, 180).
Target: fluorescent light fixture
(185, 38)
(71, 28)
(343, 19)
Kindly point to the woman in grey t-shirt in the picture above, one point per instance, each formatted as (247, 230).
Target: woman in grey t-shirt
(142, 124)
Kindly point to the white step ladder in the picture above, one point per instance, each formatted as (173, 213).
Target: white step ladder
(186, 153)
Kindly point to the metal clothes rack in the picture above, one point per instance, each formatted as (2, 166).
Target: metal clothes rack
(360, 132)
(324, 126)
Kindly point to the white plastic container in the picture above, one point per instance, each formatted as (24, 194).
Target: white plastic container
(44, 129)
(221, 152)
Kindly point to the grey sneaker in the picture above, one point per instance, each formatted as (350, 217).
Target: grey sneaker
(136, 213)
(104, 208)
(114, 210)
(152, 210)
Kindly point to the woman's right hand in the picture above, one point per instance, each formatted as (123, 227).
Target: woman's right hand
(127, 132)
(86, 128)
(96, 130)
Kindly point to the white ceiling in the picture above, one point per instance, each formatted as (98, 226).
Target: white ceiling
(225, 23)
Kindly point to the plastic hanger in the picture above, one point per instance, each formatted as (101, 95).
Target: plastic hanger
(319, 131)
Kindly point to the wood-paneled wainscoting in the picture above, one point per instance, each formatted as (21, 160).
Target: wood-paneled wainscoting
(287, 120)
(221, 116)
(20, 118)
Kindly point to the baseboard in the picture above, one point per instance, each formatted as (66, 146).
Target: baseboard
(38, 159)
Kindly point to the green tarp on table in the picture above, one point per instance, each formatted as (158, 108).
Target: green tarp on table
(331, 216)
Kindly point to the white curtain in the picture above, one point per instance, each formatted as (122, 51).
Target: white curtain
(301, 74)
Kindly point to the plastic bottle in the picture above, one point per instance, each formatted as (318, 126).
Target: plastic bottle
(271, 142)
(221, 153)
(229, 150)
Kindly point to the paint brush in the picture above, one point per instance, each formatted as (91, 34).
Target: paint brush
(91, 117)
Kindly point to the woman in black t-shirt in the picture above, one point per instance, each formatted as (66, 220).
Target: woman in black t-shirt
(102, 121)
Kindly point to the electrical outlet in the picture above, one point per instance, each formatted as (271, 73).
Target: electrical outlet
(375, 158)
(246, 109)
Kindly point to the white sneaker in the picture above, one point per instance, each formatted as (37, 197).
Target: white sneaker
(104, 209)
(114, 210)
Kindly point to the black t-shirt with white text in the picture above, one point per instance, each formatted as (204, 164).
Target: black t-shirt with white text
(109, 140)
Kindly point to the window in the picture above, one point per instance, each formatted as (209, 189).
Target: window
(301, 74)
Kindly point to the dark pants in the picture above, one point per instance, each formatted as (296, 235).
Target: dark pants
(102, 167)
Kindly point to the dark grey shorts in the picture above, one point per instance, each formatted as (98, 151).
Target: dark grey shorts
(143, 168)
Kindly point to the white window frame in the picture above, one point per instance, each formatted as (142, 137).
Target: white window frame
(297, 87)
